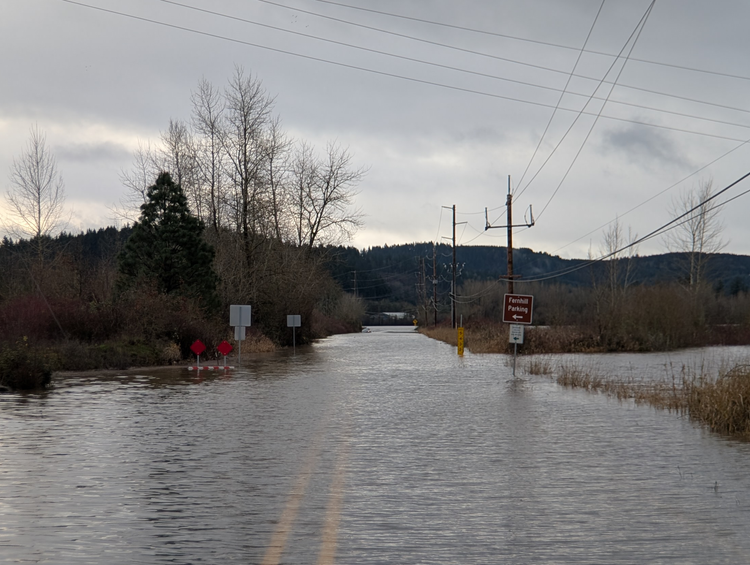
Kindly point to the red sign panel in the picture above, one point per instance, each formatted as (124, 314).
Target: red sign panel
(517, 308)
(224, 347)
(197, 347)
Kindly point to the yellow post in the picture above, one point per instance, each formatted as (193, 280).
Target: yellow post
(461, 341)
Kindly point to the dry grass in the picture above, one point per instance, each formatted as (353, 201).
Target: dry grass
(538, 365)
(258, 343)
(493, 338)
(442, 333)
(722, 403)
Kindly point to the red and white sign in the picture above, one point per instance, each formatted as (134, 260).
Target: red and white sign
(517, 308)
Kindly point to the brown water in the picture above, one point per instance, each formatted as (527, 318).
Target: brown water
(367, 448)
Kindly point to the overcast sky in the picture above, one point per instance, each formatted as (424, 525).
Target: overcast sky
(440, 100)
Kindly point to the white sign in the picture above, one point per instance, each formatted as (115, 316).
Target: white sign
(240, 316)
(516, 333)
(239, 333)
(293, 321)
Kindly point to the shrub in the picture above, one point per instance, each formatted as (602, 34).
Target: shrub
(23, 369)
(723, 404)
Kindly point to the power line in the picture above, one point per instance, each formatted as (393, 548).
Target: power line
(562, 94)
(638, 28)
(514, 61)
(642, 24)
(563, 91)
(679, 220)
(670, 187)
(383, 73)
(517, 38)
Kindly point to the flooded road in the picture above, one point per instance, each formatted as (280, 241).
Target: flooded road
(370, 448)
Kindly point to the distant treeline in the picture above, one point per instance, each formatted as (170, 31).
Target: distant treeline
(392, 275)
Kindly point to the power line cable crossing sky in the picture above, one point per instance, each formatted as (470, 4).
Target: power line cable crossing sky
(440, 104)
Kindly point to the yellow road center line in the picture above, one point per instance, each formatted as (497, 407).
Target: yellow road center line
(284, 527)
(333, 511)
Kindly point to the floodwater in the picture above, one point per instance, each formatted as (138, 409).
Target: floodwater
(373, 448)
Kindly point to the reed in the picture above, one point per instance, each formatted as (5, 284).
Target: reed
(538, 365)
(445, 334)
(722, 402)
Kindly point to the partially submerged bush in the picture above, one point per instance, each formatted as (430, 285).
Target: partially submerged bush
(23, 369)
(722, 404)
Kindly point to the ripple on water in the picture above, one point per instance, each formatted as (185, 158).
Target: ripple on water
(448, 460)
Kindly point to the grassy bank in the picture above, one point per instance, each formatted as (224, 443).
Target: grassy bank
(492, 337)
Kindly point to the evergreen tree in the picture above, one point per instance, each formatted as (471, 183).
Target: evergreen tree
(166, 247)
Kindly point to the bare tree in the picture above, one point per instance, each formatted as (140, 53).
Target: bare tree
(276, 149)
(37, 194)
(178, 157)
(324, 192)
(698, 235)
(610, 284)
(246, 115)
(176, 152)
(145, 169)
(208, 108)
(304, 171)
(620, 252)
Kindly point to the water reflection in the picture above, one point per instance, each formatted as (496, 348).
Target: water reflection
(370, 448)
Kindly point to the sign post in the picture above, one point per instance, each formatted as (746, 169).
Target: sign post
(198, 348)
(517, 310)
(294, 321)
(515, 336)
(224, 348)
(240, 317)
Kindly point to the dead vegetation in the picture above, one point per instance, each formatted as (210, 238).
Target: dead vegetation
(720, 402)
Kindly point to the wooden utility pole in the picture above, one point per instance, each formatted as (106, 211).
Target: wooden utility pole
(509, 226)
(434, 283)
(453, 284)
(509, 206)
(423, 291)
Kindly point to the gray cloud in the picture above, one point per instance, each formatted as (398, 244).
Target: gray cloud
(644, 146)
(93, 152)
(98, 83)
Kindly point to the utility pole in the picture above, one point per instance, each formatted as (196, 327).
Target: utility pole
(434, 284)
(509, 226)
(423, 288)
(453, 284)
(453, 278)
(509, 207)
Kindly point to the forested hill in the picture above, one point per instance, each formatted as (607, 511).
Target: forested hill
(393, 273)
